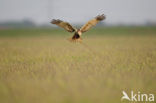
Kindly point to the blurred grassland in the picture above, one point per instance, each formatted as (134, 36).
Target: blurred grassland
(108, 31)
(41, 66)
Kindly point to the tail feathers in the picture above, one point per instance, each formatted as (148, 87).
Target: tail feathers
(75, 40)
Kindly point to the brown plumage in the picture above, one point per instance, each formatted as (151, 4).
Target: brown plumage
(78, 32)
(64, 25)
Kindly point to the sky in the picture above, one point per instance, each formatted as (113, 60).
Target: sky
(78, 11)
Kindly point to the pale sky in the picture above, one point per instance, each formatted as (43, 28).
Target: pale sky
(79, 11)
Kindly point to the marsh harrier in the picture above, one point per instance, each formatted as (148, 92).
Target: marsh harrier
(78, 32)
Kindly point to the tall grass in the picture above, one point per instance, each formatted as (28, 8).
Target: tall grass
(50, 69)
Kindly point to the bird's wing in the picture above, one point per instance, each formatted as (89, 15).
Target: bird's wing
(92, 23)
(63, 24)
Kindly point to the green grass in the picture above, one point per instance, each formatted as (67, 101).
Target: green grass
(110, 31)
(41, 66)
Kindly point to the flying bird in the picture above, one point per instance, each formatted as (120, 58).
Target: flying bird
(78, 32)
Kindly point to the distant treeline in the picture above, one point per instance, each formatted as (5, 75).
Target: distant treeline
(29, 24)
(17, 24)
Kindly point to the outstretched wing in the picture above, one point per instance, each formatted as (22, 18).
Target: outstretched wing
(63, 24)
(92, 23)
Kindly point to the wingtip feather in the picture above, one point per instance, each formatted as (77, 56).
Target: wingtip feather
(55, 21)
(101, 17)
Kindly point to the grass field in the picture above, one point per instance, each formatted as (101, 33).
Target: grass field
(41, 66)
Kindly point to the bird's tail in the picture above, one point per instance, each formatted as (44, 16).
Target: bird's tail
(75, 40)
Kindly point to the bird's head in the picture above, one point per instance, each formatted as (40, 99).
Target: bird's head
(79, 31)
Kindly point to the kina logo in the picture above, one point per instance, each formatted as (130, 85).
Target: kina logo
(137, 97)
